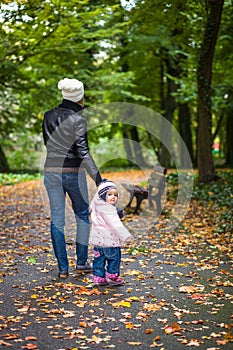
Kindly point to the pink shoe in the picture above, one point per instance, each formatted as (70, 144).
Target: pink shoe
(114, 279)
(99, 281)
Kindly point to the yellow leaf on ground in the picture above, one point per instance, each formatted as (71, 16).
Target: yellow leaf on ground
(34, 296)
(121, 304)
(129, 325)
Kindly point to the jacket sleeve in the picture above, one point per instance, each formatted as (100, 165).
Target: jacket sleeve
(82, 148)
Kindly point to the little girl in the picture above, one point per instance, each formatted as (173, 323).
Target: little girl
(107, 235)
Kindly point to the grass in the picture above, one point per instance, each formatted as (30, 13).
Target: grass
(9, 179)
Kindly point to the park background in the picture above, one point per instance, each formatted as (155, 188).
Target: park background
(173, 58)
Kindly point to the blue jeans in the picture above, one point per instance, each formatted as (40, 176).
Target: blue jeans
(106, 256)
(75, 185)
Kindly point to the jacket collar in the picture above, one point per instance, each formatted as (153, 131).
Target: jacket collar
(70, 105)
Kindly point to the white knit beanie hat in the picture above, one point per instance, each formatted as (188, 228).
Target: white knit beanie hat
(72, 89)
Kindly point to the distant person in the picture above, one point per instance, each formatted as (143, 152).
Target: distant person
(68, 156)
(107, 235)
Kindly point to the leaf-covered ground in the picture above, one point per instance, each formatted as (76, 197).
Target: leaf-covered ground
(178, 291)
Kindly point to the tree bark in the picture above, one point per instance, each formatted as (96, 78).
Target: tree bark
(127, 145)
(170, 105)
(185, 132)
(137, 147)
(4, 167)
(204, 76)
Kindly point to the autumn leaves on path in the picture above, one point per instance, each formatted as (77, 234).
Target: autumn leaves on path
(178, 291)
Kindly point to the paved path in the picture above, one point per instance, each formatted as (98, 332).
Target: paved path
(178, 291)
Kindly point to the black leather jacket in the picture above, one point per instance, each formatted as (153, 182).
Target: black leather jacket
(65, 137)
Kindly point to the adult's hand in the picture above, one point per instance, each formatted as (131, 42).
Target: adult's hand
(103, 180)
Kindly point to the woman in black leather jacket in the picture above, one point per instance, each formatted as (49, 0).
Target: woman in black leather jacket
(68, 158)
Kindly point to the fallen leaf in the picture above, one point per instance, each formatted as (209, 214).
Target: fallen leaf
(149, 331)
(187, 289)
(151, 307)
(11, 336)
(193, 342)
(30, 337)
(172, 329)
(82, 324)
(4, 343)
(29, 346)
(129, 325)
(121, 303)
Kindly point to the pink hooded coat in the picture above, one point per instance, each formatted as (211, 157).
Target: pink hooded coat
(107, 230)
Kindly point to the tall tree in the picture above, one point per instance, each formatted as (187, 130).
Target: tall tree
(204, 78)
(160, 42)
(185, 131)
(170, 106)
(42, 42)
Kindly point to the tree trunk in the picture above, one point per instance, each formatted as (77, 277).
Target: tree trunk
(153, 143)
(204, 75)
(185, 132)
(4, 168)
(170, 105)
(127, 145)
(137, 147)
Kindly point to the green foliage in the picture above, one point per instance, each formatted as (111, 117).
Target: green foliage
(173, 177)
(44, 41)
(13, 178)
(116, 164)
(218, 191)
(218, 195)
(118, 52)
(18, 161)
(22, 151)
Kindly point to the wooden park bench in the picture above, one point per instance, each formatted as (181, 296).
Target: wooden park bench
(154, 191)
